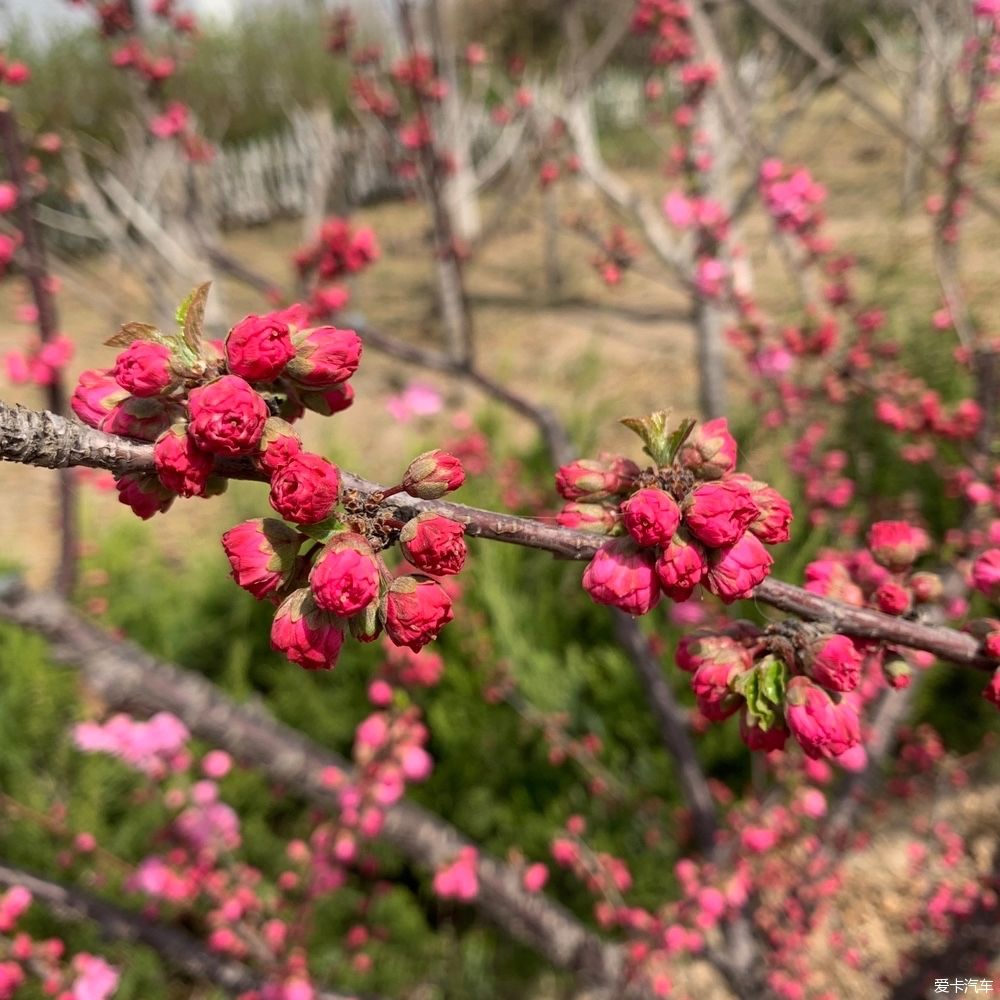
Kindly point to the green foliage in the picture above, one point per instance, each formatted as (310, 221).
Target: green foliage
(241, 81)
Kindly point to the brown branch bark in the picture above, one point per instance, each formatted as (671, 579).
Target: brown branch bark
(179, 950)
(129, 679)
(451, 279)
(50, 441)
(36, 271)
(674, 730)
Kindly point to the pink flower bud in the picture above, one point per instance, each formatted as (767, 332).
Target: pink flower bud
(992, 690)
(718, 514)
(898, 674)
(771, 525)
(144, 493)
(329, 401)
(833, 661)
(588, 480)
(712, 686)
(433, 474)
(345, 578)
(693, 650)
(417, 764)
(324, 357)
(182, 466)
(227, 416)
(822, 727)
(96, 394)
(259, 347)
(534, 878)
(651, 517)
(622, 575)
(278, 445)
(143, 368)
(305, 489)
(306, 634)
(144, 419)
(762, 740)
(710, 451)
(262, 554)
(681, 566)
(892, 599)
(8, 197)
(734, 572)
(896, 544)
(416, 611)
(926, 587)
(986, 574)
(592, 517)
(434, 544)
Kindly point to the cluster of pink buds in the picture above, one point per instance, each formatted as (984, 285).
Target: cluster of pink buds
(24, 960)
(41, 363)
(338, 251)
(792, 678)
(343, 584)
(689, 519)
(617, 254)
(201, 402)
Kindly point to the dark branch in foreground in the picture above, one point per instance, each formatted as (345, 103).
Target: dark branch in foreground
(129, 679)
(52, 442)
(178, 949)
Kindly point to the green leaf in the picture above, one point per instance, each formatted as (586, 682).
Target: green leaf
(191, 316)
(131, 332)
(653, 431)
(676, 440)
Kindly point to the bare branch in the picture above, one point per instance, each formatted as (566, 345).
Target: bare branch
(129, 679)
(36, 270)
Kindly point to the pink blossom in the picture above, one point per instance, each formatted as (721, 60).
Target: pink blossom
(13, 903)
(216, 764)
(986, 574)
(151, 747)
(679, 209)
(95, 979)
(710, 277)
(459, 879)
(418, 399)
(534, 878)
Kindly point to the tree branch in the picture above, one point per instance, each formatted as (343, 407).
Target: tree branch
(36, 271)
(129, 679)
(52, 442)
(790, 29)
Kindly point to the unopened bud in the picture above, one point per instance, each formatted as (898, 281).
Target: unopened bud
(926, 587)
(898, 674)
(433, 474)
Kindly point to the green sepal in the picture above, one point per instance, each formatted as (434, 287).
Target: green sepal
(191, 317)
(324, 530)
(764, 687)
